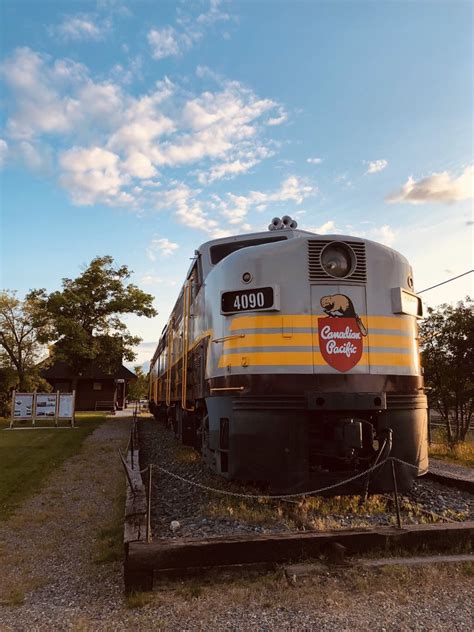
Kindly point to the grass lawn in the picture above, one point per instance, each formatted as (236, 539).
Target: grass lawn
(462, 454)
(28, 456)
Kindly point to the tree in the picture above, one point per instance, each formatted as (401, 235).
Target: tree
(22, 329)
(139, 388)
(85, 316)
(8, 381)
(447, 342)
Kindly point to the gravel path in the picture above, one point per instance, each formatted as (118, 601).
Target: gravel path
(205, 514)
(49, 547)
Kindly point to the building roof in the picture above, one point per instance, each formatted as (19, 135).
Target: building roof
(60, 370)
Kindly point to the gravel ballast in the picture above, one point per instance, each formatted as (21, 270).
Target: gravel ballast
(203, 514)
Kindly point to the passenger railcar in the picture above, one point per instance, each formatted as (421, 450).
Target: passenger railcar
(291, 360)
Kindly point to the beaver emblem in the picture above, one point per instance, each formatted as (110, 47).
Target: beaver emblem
(341, 306)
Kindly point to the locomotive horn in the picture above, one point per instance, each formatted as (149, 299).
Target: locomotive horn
(293, 224)
(271, 227)
(286, 220)
(276, 221)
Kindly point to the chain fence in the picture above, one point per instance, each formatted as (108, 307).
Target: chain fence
(132, 467)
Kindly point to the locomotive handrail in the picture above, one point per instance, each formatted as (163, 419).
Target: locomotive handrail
(168, 366)
(233, 337)
(186, 315)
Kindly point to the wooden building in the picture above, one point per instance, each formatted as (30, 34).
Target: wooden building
(95, 390)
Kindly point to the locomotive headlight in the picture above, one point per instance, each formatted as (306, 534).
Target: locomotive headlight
(337, 260)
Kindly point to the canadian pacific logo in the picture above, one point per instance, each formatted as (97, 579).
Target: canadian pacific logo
(341, 333)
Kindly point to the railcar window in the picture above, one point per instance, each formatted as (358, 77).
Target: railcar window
(221, 251)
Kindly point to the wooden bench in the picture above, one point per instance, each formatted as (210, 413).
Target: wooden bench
(102, 405)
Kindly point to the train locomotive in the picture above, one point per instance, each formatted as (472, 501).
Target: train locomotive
(290, 360)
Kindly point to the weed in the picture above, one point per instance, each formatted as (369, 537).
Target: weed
(185, 454)
(396, 572)
(467, 568)
(138, 599)
(359, 580)
(15, 596)
(110, 538)
(461, 454)
(195, 591)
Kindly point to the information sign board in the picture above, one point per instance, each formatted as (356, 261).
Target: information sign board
(66, 406)
(23, 406)
(46, 405)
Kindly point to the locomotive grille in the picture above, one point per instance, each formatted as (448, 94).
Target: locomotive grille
(317, 272)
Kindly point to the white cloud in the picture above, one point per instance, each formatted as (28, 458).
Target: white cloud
(243, 162)
(187, 209)
(39, 106)
(139, 166)
(81, 27)
(102, 101)
(327, 227)
(128, 72)
(205, 72)
(314, 161)
(57, 97)
(376, 165)
(383, 234)
(140, 134)
(163, 247)
(236, 207)
(56, 103)
(213, 14)
(169, 41)
(437, 188)
(164, 42)
(93, 175)
(278, 120)
(35, 155)
(3, 152)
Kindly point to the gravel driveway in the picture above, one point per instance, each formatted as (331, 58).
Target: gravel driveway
(48, 564)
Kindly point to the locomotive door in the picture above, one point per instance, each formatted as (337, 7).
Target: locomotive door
(339, 329)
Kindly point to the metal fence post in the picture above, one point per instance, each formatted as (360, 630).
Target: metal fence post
(148, 505)
(395, 493)
(132, 448)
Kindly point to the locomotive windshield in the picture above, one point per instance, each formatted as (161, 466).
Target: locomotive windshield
(221, 251)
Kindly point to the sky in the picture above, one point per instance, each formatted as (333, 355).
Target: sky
(142, 129)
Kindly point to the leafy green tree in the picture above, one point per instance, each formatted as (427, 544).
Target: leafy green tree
(8, 381)
(86, 315)
(447, 343)
(139, 388)
(22, 329)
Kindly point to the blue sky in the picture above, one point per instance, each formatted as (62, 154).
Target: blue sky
(142, 129)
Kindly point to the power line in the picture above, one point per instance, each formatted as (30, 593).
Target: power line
(447, 281)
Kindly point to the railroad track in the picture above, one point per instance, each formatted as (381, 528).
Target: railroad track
(461, 478)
